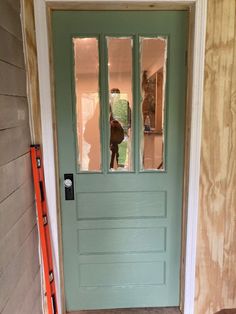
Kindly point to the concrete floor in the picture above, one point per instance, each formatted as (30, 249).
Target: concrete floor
(133, 311)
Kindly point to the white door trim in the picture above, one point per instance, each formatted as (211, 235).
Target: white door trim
(195, 139)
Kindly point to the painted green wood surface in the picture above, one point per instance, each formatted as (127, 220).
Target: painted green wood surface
(122, 233)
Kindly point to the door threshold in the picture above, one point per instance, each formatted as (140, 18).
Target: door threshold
(166, 310)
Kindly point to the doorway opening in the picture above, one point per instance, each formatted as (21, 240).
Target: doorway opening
(198, 11)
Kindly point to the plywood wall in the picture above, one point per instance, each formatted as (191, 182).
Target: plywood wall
(216, 244)
(20, 290)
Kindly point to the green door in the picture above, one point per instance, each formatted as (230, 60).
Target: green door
(120, 81)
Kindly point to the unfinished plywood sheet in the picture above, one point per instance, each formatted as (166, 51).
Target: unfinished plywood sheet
(216, 251)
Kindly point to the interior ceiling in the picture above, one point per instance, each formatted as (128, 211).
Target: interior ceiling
(119, 54)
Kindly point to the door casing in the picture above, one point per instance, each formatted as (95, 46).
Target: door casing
(197, 28)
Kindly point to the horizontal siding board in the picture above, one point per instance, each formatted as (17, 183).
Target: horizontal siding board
(31, 297)
(15, 173)
(27, 255)
(38, 306)
(14, 142)
(15, 238)
(15, 4)
(12, 50)
(17, 298)
(19, 262)
(13, 207)
(10, 19)
(14, 111)
(13, 80)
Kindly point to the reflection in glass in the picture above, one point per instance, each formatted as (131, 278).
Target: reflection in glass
(120, 86)
(87, 103)
(153, 69)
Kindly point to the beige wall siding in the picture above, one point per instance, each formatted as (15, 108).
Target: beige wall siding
(19, 262)
(216, 249)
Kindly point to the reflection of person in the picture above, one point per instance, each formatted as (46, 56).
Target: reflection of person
(120, 109)
(120, 121)
(92, 137)
(116, 137)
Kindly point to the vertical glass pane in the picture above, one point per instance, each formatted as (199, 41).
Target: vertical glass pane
(87, 103)
(121, 102)
(153, 76)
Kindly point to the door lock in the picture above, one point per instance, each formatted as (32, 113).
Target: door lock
(69, 186)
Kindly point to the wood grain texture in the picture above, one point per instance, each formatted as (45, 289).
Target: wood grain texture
(229, 269)
(29, 41)
(216, 251)
(93, 5)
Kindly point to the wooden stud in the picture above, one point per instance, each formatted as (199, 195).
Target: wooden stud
(29, 42)
(143, 6)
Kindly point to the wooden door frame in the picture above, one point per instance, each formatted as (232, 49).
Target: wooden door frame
(196, 54)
